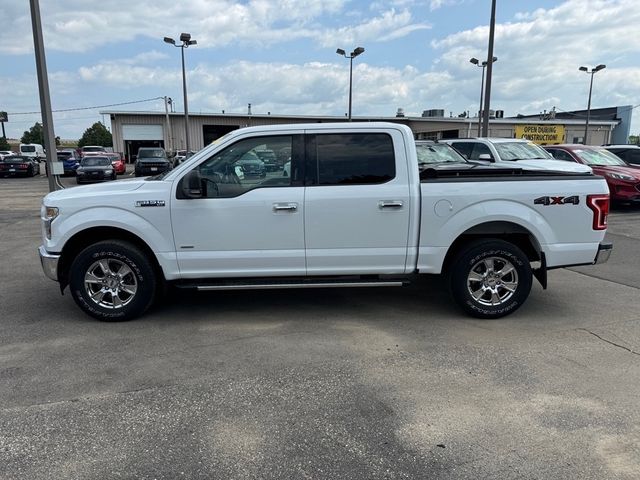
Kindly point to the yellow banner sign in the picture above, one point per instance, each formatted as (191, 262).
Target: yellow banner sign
(542, 134)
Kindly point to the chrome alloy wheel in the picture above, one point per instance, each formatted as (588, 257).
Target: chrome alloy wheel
(110, 283)
(492, 281)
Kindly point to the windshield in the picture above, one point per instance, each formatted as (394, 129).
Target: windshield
(96, 162)
(155, 153)
(64, 155)
(521, 151)
(599, 157)
(93, 149)
(27, 148)
(437, 153)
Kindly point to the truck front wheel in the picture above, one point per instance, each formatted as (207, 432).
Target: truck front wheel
(490, 278)
(112, 281)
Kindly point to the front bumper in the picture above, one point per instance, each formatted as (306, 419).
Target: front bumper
(49, 262)
(604, 252)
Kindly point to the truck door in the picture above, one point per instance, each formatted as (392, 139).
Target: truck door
(357, 205)
(250, 221)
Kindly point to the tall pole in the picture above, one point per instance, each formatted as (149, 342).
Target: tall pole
(487, 96)
(586, 125)
(43, 87)
(186, 104)
(350, 83)
(166, 112)
(481, 95)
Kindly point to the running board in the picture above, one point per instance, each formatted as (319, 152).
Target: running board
(267, 285)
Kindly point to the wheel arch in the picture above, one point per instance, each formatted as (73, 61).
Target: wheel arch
(82, 239)
(507, 231)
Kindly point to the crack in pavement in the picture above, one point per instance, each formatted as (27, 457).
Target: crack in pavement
(610, 342)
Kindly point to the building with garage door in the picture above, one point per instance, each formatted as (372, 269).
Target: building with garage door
(132, 130)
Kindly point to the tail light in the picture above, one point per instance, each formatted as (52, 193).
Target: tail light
(599, 204)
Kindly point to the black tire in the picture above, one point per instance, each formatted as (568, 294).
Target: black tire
(134, 290)
(477, 269)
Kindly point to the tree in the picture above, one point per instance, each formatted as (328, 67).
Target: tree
(96, 134)
(634, 139)
(4, 145)
(36, 135)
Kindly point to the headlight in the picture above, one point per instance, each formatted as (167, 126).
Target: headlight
(620, 176)
(48, 215)
(108, 171)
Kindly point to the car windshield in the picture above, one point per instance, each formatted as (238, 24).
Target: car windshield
(521, 151)
(151, 154)
(96, 162)
(28, 148)
(437, 153)
(93, 149)
(599, 156)
(64, 155)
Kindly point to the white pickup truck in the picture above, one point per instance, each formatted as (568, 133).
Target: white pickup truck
(356, 210)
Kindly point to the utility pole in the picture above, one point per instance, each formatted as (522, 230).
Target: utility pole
(487, 95)
(45, 97)
(169, 131)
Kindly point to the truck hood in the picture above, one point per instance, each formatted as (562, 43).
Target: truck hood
(101, 189)
(556, 165)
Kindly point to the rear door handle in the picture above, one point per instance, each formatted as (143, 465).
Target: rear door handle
(390, 204)
(286, 207)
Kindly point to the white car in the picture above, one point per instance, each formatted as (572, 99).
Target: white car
(5, 153)
(510, 151)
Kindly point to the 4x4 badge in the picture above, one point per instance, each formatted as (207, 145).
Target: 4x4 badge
(573, 200)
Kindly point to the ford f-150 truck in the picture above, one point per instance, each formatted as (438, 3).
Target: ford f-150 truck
(355, 209)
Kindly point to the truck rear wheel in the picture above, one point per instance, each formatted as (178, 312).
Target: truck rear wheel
(112, 281)
(490, 278)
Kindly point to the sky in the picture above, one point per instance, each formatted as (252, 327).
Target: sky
(280, 56)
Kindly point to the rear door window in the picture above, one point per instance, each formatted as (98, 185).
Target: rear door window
(350, 159)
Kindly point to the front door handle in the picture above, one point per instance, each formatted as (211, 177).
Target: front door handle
(286, 207)
(390, 204)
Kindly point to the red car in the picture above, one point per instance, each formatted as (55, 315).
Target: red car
(118, 163)
(623, 179)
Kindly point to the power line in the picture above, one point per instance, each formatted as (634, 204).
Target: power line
(77, 109)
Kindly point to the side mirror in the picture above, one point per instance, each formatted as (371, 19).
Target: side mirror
(192, 185)
(485, 157)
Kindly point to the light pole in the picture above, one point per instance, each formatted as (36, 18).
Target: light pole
(477, 63)
(592, 72)
(351, 56)
(487, 94)
(185, 38)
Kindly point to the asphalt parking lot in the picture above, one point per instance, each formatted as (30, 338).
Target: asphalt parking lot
(319, 384)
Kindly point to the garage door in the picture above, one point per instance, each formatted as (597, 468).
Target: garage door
(142, 132)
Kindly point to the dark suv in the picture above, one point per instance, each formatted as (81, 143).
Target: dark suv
(151, 161)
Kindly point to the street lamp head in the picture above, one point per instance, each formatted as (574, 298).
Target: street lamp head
(474, 60)
(357, 52)
(495, 59)
(599, 67)
(583, 69)
(192, 42)
(169, 40)
(340, 51)
(185, 37)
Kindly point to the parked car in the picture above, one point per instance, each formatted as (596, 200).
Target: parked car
(15, 165)
(623, 179)
(5, 153)
(268, 157)
(181, 156)
(430, 152)
(95, 168)
(89, 150)
(151, 161)
(33, 150)
(70, 161)
(360, 215)
(628, 153)
(118, 163)
(510, 150)
(252, 166)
